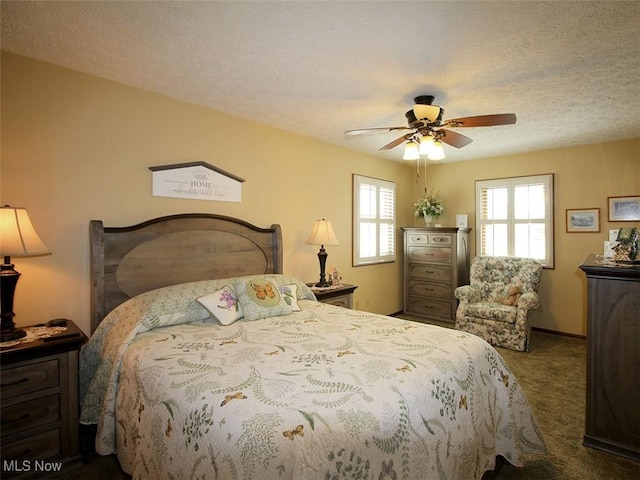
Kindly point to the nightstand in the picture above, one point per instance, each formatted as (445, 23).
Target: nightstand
(341, 295)
(39, 390)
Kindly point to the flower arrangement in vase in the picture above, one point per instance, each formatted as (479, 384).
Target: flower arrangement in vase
(429, 206)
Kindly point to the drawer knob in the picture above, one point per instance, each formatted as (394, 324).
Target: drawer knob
(429, 271)
(14, 383)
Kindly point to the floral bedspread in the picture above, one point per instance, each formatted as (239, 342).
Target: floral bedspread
(322, 393)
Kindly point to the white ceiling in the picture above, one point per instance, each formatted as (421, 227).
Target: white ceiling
(569, 70)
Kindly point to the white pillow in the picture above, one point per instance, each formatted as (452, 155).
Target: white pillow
(290, 295)
(223, 305)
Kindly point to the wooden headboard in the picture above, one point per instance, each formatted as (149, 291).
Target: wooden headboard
(127, 261)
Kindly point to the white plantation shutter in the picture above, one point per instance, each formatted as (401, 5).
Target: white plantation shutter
(514, 217)
(373, 220)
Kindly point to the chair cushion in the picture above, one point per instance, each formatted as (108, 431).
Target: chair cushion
(491, 311)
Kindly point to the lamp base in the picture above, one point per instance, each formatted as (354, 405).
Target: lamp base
(8, 280)
(322, 284)
(15, 334)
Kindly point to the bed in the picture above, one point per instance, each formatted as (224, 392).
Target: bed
(206, 361)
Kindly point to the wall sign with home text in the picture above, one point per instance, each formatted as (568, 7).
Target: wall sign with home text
(196, 180)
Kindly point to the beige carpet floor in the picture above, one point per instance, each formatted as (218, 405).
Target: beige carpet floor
(553, 375)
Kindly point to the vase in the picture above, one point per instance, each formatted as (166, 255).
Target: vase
(428, 219)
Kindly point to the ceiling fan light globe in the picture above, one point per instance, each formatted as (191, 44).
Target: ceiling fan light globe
(426, 112)
(437, 152)
(426, 144)
(411, 151)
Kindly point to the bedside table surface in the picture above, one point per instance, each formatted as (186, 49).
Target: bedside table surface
(327, 292)
(70, 339)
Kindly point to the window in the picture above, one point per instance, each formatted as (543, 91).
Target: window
(514, 217)
(374, 219)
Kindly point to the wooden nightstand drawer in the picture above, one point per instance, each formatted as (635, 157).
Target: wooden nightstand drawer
(43, 445)
(341, 301)
(29, 378)
(438, 273)
(22, 416)
(341, 295)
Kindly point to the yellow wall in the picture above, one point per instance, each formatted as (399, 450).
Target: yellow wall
(584, 177)
(76, 147)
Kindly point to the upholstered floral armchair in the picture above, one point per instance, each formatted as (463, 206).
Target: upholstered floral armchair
(496, 304)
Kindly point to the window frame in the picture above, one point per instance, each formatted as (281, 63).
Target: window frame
(357, 259)
(510, 183)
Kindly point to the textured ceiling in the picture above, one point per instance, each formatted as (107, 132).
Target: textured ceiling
(568, 70)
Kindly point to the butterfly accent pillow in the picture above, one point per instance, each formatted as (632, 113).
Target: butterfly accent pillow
(259, 297)
(223, 305)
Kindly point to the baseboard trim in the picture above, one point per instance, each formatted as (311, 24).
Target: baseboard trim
(562, 334)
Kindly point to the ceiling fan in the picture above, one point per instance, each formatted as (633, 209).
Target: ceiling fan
(427, 130)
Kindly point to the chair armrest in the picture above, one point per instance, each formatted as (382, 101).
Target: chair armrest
(468, 293)
(528, 301)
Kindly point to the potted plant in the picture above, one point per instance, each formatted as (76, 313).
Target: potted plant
(430, 207)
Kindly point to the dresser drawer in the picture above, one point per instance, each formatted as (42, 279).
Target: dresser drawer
(418, 238)
(429, 308)
(429, 289)
(429, 254)
(440, 239)
(22, 416)
(43, 445)
(29, 378)
(429, 239)
(433, 272)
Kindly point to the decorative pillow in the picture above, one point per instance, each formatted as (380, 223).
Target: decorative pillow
(290, 295)
(260, 297)
(223, 305)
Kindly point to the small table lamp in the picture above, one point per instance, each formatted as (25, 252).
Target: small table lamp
(322, 234)
(18, 238)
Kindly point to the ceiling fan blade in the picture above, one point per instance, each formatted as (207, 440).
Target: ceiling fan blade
(483, 120)
(395, 142)
(454, 139)
(375, 129)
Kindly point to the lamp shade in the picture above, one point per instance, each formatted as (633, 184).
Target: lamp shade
(322, 234)
(18, 238)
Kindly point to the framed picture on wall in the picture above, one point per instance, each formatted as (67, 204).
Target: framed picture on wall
(583, 220)
(624, 209)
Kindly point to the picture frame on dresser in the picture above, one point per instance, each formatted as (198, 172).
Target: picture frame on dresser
(624, 209)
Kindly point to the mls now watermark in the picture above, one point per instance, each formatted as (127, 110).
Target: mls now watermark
(31, 466)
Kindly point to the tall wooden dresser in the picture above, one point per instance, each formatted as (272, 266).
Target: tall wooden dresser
(436, 261)
(613, 357)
